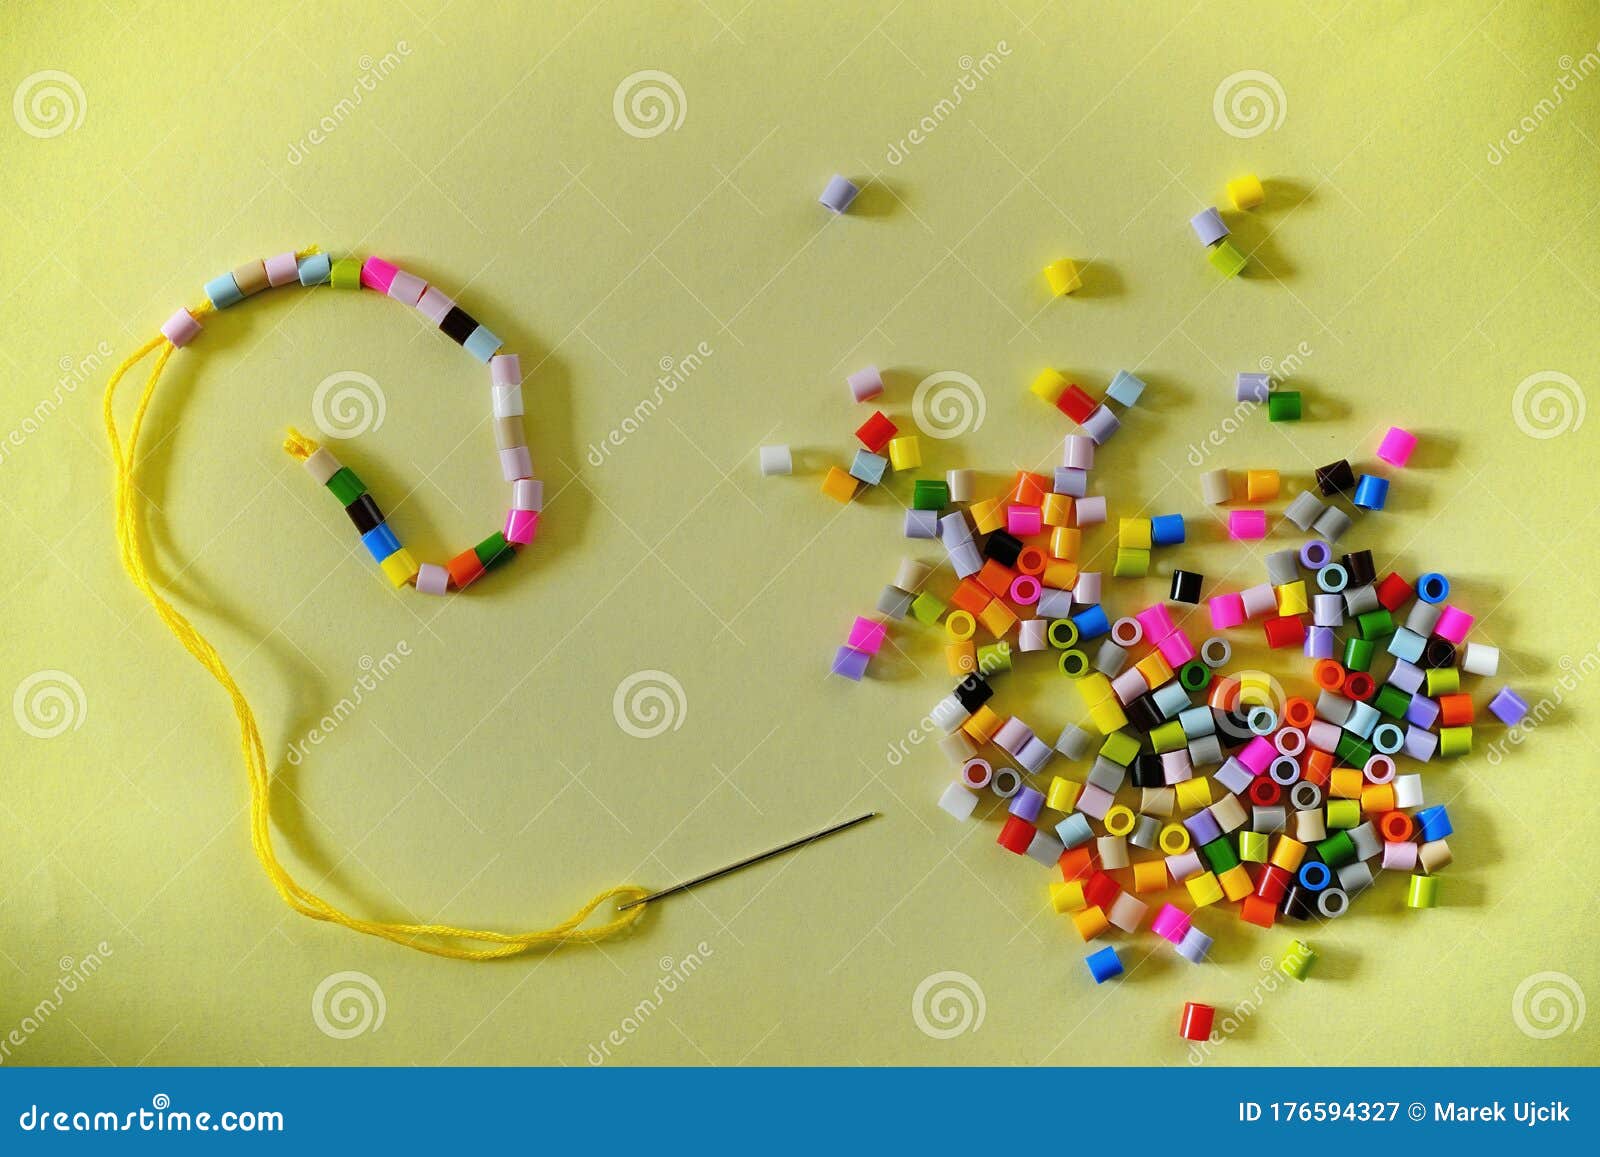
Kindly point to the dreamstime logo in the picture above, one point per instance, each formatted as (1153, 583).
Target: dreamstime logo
(73, 974)
(948, 1004)
(973, 73)
(948, 404)
(371, 73)
(48, 703)
(348, 1004)
(648, 703)
(1574, 673)
(1278, 371)
(1248, 103)
(373, 673)
(1548, 1004)
(1573, 73)
(48, 103)
(674, 975)
(674, 372)
(1256, 689)
(1548, 404)
(75, 371)
(648, 103)
(348, 404)
(1232, 1020)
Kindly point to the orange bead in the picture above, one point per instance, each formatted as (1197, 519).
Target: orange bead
(1090, 922)
(1317, 767)
(971, 596)
(1076, 863)
(982, 724)
(1031, 560)
(1257, 911)
(464, 568)
(997, 577)
(1347, 783)
(1029, 489)
(838, 485)
(1378, 797)
(1150, 876)
(1328, 674)
(1455, 710)
(1066, 542)
(998, 619)
(961, 658)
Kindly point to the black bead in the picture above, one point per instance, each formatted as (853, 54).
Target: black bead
(1358, 565)
(1148, 772)
(1336, 478)
(1438, 653)
(1233, 727)
(1003, 548)
(364, 513)
(1299, 904)
(458, 325)
(1143, 714)
(973, 692)
(1186, 586)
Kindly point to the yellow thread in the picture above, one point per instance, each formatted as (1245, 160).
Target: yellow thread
(436, 939)
(297, 445)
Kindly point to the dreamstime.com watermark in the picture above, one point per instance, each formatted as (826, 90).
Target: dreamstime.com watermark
(1232, 1020)
(74, 373)
(1248, 103)
(674, 974)
(1573, 73)
(160, 1117)
(373, 673)
(347, 1005)
(1574, 673)
(927, 727)
(371, 74)
(674, 372)
(49, 703)
(1279, 372)
(648, 103)
(948, 1004)
(49, 103)
(74, 974)
(649, 703)
(973, 73)
(1548, 404)
(1548, 1004)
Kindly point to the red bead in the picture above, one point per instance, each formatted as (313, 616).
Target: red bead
(1195, 1023)
(876, 431)
(1265, 791)
(1100, 891)
(1285, 631)
(1255, 910)
(1273, 884)
(1076, 404)
(1359, 685)
(1016, 835)
(1393, 591)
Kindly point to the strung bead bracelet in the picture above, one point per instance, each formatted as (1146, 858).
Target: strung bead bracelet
(309, 268)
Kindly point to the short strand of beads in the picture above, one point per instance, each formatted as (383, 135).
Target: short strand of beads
(310, 267)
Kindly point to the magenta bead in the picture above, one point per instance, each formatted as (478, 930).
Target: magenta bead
(1453, 625)
(1226, 611)
(1258, 754)
(1156, 621)
(1025, 590)
(1171, 923)
(376, 274)
(1176, 649)
(1397, 446)
(1244, 524)
(1022, 521)
(867, 636)
(181, 328)
(521, 525)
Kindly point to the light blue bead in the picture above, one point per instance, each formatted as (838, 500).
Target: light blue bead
(1125, 388)
(869, 467)
(1406, 645)
(482, 344)
(314, 270)
(223, 291)
(1207, 225)
(380, 542)
(1074, 830)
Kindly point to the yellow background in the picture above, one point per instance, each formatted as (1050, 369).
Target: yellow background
(486, 780)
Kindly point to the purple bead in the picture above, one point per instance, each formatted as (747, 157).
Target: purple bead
(850, 663)
(1203, 827)
(1508, 707)
(1207, 225)
(1101, 424)
(1027, 804)
(838, 195)
(865, 383)
(1250, 387)
(1319, 642)
(922, 524)
(1071, 482)
(1422, 711)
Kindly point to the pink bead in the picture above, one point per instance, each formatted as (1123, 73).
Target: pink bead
(1226, 611)
(1171, 923)
(864, 384)
(1244, 524)
(505, 370)
(432, 580)
(1176, 649)
(866, 635)
(521, 525)
(1453, 625)
(181, 328)
(376, 274)
(1022, 521)
(433, 305)
(1396, 446)
(1258, 754)
(284, 269)
(516, 463)
(1155, 620)
(406, 288)
(527, 494)
(1025, 590)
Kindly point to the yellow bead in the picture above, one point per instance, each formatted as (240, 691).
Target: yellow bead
(1062, 276)
(1119, 820)
(1246, 192)
(1292, 598)
(1095, 688)
(1174, 839)
(1057, 510)
(1066, 542)
(1063, 794)
(1168, 737)
(1423, 893)
(1060, 575)
(905, 453)
(1455, 741)
(1154, 669)
(1204, 889)
(1134, 533)
(838, 485)
(988, 516)
(1288, 853)
(1444, 680)
(1236, 883)
(1253, 847)
(1107, 716)
(1150, 876)
(1049, 386)
(997, 618)
(982, 724)
(400, 567)
(1344, 814)
(1067, 896)
(1090, 922)
(1346, 783)
(1193, 794)
(1255, 689)
(1261, 485)
(960, 658)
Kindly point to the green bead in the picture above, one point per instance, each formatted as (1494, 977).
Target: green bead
(1344, 813)
(1374, 625)
(1358, 654)
(493, 551)
(345, 273)
(1444, 680)
(1225, 259)
(1284, 406)
(1338, 849)
(1194, 675)
(1297, 960)
(1120, 747)
(1353, 750)
(1062, 633)
(1220, 855)
(1423, 892)
(1074, 663)
(1253, 847)
(994, 657)
(1131, 562)
(926, 608)
(1168, 737)
(930, 494)
(1391, 701)
(346, 486)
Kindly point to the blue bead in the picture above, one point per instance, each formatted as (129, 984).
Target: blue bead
(380, 542)
(315, 270)
(1434, 823)
(1125, 388)
(1371, 492)
(1166, 530)
(223, 291)
(1103, 965)
(868, 467)
(1433, 587)
(482, 344)
(1074, 830)
(1091, 623)
(1315, 875)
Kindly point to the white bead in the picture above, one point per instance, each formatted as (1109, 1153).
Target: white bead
(432, 580)
(1090, 511)
(958, 747)
(407, 288)
(961, 483)
(1408, 791)
(507, 401)
(965, 560)
(912, 574)
(1031, 635)
(1214, 487)
(527, 494)
(1183, 865)
(1309, 828)
(1087, 592)
(776, 460)
(958, 801)
(948, 714)
(1481, 659)
(1259, 600)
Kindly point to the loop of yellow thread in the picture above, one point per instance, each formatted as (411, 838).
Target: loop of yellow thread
(297, 445)
(436, 939)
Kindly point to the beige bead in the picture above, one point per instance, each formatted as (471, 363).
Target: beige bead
(251, 277)
(508, 432)
(322, 466)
